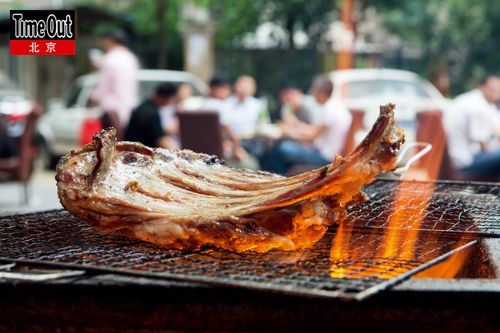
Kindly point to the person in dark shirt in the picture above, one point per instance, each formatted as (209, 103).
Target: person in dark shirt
(145, 124)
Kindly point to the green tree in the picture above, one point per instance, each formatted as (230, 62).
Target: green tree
(234, 19)
(451, 33)
(158, 37)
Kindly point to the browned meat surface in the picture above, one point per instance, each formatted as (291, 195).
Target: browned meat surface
(181, 199)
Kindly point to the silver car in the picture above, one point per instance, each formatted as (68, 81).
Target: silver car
(59, 130)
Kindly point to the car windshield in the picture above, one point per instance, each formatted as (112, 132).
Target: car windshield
(73, 94)
(372, 88)
(146, 90)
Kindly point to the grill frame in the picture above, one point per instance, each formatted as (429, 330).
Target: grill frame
(273, 287)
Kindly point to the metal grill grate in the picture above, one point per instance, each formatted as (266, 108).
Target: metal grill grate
(347, 263)
(454, 207)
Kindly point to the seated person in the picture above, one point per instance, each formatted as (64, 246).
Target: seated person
(219, 90)
(184, 100)
(472, 122)
(240, 119)
(294, 110)
(145, 125)
(294, 107)
(243, 109)
(313, 144)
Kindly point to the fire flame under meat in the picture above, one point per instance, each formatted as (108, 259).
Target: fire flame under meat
(401, 242)
(184, 200)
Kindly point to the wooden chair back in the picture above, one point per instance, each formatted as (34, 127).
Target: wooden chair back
(201, 132)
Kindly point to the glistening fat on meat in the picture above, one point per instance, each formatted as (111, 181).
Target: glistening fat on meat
(184, 200)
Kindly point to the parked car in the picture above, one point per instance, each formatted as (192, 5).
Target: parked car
(68, 121)
(367, 89)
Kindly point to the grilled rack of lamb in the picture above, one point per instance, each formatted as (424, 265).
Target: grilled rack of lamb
(184, 200)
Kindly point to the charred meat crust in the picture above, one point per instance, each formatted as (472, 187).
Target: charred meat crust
(182, 199)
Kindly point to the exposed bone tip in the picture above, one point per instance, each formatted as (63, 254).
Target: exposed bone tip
(106, 133)
(387, 109)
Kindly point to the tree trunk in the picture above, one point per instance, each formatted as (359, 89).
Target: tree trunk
(161, 8)
(289, 26)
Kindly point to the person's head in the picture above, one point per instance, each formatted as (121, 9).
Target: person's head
(490, 87)
(244, 87)
(219, 88)
(184, 92)
(292, 97)
(165, 93)
(113, 38)
(321, 89)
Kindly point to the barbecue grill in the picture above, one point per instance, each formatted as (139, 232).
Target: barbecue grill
(404, 230)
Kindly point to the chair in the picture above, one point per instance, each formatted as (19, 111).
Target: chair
(437, 163)
(430, 129)
(356, 126)
(20, 167)
(201, 132)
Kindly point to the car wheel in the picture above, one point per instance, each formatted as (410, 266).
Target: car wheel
(48, 159)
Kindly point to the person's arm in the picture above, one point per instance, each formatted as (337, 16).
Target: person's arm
(289, 119)
(173, 127)
(166, 142)
(239, 153)
(305, 133)
(484, 146)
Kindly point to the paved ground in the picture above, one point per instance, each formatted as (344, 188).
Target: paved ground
(42, 189)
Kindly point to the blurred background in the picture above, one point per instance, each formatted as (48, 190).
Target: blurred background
(419, 55)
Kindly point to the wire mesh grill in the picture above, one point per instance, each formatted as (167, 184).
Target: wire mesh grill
(354, 260)
(472, 208)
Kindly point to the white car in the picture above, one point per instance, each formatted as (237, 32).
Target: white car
(367, 89)
(60, 129)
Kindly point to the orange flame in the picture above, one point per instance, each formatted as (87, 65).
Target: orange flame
(400, 241)
(405, 222)
(447, 269)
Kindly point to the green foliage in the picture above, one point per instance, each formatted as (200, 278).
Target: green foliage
(237, 18)
(454, 32)
(485, 54)
(439, 26)
(233, 19)
(463, 34)
(143, 14)
(144, 17)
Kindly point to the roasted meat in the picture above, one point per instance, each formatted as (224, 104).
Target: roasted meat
(184, 200)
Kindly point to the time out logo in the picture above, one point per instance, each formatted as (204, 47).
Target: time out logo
(42, 32)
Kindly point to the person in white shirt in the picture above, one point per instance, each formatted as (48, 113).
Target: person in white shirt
(315, 144)
(185, 99)
(219, 90)
(243, 109)
(472, 122)
(240, 119)
(117, 88)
